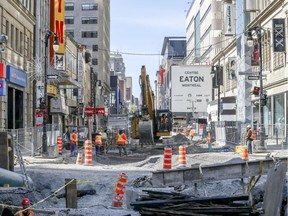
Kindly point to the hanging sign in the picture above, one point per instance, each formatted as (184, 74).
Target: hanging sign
(278, 35)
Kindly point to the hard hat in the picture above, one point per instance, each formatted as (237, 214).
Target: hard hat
(25, 201)
(248, 126)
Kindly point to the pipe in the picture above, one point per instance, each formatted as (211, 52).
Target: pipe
(13, 179)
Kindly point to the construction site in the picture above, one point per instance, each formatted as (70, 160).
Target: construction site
(182, 178)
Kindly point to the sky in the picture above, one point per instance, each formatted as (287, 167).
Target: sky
(139, 27)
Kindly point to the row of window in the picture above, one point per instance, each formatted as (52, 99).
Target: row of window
(85, 7)
(85, 34)
(84, 20)
(17, 39)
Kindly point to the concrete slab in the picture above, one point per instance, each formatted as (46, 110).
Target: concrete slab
(274, 190)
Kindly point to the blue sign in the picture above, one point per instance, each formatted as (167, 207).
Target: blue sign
(16, 76)
(2, 88)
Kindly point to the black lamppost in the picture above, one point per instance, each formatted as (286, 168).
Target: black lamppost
(215, 74)
(254, 34)
(44, 101)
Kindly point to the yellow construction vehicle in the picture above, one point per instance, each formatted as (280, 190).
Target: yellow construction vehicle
(150, 124)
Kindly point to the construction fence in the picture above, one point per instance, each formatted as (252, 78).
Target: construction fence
(234, 132)
(30, 139)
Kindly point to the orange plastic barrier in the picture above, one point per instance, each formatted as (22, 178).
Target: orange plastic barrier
(245, 154)
(119, 189)
(182, 156)
(79, 158)
(254, 135)
(167, 162)
(59, 144)
(88, 152)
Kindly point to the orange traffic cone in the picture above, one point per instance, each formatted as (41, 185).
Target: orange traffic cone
(167, 162)
(119, 189)
(88, 153)
(182, 156)
(245, 154)
(79, 158)
(59, 144)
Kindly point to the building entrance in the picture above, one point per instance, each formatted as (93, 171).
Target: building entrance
(15, 109)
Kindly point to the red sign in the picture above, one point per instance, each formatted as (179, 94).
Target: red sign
(89, 111)
(2, 70)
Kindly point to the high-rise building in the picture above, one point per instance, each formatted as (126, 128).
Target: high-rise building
(89, 23)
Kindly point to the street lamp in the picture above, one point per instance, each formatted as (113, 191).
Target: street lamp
(43, 103)
(215, 73)
(255, 34)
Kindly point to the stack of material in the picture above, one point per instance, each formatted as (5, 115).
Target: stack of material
(163, 203)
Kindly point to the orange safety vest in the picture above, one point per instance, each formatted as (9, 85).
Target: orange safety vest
(98, 140)
(120, 139)
(249, 134)
(74, 138)
(29, 213)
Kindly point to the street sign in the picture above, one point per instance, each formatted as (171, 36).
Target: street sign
(52, 76)
(253, 77)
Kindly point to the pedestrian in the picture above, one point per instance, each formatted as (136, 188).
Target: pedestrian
(73, 142)
(25, 211)
(121, 140)
(105, 141)
(98, 143)
(249, 138)
(66, 139)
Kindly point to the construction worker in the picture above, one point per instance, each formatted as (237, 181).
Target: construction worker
(121, 140)
(164, 122)
(73, 142)
(191, 134)
(249, 138)
(25, 211)
(98, 143)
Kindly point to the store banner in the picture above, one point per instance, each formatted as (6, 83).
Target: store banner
(278, 35)
(229, 19)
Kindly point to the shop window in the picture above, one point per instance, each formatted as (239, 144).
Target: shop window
(279, 115)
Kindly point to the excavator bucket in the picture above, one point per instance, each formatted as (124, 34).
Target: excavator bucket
(146, 133)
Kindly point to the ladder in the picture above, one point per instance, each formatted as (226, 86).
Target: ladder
(22, 166)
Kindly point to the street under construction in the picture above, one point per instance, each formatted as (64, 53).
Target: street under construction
(184, 178)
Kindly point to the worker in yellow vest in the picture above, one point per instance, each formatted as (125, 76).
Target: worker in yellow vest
(121, 140)
(98, 143)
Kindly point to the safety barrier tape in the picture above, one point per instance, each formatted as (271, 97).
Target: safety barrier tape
(54, 193)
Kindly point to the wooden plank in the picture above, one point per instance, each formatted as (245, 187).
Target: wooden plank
(190, 200)
(71, 193)
(224, 171)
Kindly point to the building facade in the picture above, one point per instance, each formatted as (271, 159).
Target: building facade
(17, 21)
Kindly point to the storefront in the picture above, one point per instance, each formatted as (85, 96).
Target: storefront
(16, 84)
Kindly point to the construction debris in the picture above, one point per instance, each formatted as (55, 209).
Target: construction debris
(164, 203)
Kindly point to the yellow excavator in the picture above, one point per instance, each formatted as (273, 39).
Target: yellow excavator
(150, 124)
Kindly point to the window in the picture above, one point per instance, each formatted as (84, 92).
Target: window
(95, 47)
(21, 43)
(7, 31)
(69, 20)
(17, 45)
(89, 34)
(89, 6)
(94, 61)
(12, 36)
(70, 32)
(69, 6)
(89, 20)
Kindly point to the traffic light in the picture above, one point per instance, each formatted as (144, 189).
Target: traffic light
(263, 99)
(256, 91)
